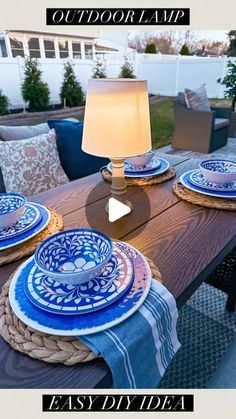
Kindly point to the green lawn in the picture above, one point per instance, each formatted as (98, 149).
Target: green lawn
(162, 123)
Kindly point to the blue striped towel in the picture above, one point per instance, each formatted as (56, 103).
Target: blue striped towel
(139, 350)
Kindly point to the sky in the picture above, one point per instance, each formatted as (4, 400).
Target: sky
(211, 35)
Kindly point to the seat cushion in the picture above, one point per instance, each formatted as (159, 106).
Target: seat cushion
(197, 100)
(22, 132)
(32, 165)
(74, 160)
(225, 374)
(221, 123)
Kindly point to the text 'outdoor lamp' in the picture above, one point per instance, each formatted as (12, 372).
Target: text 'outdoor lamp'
(117, 125)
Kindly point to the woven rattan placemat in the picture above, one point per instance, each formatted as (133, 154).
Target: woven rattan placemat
(202, 200)
(49, 348)
(142, 181)
(28, 247)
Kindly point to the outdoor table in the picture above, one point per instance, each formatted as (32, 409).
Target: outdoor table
(185, 241)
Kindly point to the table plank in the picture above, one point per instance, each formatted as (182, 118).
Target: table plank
(73, 195)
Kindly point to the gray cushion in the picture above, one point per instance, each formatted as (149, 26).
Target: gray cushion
(197, 100)
(221, 123)
(225, 374)
(22, 132)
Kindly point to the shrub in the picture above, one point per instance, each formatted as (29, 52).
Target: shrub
(150, 48)
(3, 103)
(34, 90)
(184, 50)
(127, 70)
(71, 92)
(99, 70)
(229, 81)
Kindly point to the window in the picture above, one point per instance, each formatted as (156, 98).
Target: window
(16, 46)
(49, 48)
(88, 51)
(34, 48)
(63, 49)
(76, 50)
(3, 50)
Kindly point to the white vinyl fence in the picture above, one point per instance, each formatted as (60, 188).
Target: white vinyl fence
(166, 75)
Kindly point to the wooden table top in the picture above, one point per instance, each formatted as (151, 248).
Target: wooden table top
(185, 241)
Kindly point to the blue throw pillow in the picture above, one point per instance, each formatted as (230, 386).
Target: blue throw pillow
(74, 161)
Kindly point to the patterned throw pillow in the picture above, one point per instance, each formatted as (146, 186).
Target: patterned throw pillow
(32, 165)
(197, 99)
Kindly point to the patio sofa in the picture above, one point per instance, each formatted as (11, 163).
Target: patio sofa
(75, 163)
(202, 131)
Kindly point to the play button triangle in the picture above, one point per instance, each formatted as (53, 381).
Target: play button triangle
(117, 209)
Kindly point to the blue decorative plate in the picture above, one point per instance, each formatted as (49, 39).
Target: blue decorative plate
(185, 180)
(83, 324)
(52, 296)
(163, 167)
(24, 236)
(154, 163)
(197, 178)
(29, 219)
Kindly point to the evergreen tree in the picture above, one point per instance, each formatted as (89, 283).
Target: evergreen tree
(3, 103)
(127, 70)
(150, 48)
(229, 81)
(71, 92)
(34, 90)
(184, 50)
(99, 70)
(232, 44)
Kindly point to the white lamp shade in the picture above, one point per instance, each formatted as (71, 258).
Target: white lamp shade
(117, 120)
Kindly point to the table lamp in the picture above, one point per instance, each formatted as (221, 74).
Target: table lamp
(117, 125)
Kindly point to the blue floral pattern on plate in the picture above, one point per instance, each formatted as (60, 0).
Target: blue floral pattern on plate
(154, 163)
(29, 219)
(164, 166)
(185, 180)
(85, 323)
(10, 202)
(197, 178)
(50, 295)
(24, 236)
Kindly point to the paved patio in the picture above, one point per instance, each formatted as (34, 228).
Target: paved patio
(227, 152)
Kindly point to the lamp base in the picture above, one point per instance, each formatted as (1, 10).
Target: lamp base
(118, 185)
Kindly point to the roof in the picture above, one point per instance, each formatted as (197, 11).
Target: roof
(104, 48)
(83, 33)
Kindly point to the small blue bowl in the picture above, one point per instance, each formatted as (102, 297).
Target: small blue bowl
(219, 171)
(12, 206)
(74, 256)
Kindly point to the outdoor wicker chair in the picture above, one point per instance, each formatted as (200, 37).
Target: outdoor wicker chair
(224, 278)
(202, 131)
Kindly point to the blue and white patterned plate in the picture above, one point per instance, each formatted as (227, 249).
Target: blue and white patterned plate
(185, 180)
(83, 324)
(109, 286)
(28, 220)
(164, 166)
(154, 163)
(197, 178)
(24, 236)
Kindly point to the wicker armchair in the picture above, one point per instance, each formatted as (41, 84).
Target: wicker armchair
(224, 278)
(200, 130)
